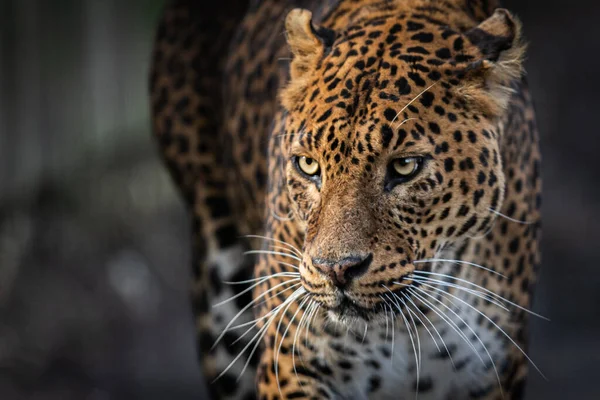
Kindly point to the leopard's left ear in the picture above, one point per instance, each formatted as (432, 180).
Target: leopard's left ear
(308, 45)
(500, 43)
(307, 42)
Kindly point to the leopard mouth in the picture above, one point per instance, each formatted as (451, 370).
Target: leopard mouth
(348, 309)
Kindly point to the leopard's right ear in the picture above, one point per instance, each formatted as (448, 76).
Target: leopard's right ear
(307, 42)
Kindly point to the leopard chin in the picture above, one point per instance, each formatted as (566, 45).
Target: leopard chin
(351, 314)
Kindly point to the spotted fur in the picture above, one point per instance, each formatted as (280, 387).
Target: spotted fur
(360, 284)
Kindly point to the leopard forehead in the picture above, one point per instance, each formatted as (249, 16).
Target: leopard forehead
(363, 83)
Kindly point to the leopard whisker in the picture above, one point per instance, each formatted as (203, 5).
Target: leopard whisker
(261, 330)
(497, 327)
(365, 333)
(258, 342)
(416, 329)
(387, 323)
(419, 319)
(481, 288)
(298, 252)
(274, 253)
(288, 265)
(276, 294)
(243, 292)
(418, 346)
(498, 213)
(298, 329)
(290, 300)
(263, 278)
(279, 218)
(436, 331)
(408, 329)
(405, 121)
(244, 309)
(459, 262)
(466, 324)
(290, 323)
(393, 332)
(476, 293)
(417, 350)
(259, 335)
(440, 313)
(309, 311)
(256, 321)
(310, 321)
(413, 100)
(285, 249)
(388, 306)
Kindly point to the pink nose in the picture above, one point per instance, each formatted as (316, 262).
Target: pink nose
(343, 271)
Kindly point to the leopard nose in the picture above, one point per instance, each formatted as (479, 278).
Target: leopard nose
(343, 271)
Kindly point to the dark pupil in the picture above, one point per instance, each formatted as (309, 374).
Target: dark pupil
(309, 161)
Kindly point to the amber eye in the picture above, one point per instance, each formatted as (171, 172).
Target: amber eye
(402, 170)
(308, 165)
(405, 167)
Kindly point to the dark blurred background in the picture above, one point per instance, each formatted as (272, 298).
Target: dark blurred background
(94, 255)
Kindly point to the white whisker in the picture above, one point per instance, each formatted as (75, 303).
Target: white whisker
(393, 328)
(277, 294)
(509, 218)
(476, 293)
(418, 366)
(413, 100)
(298, 252)
(256, 321)
(263, 278)
(244, 310)
(436, 331)
(263, 329)
(468, 326)
(290, 323)
(432, 260)
(279, 218)
(497, 327)
(298, 329)
(365, 334)
(481, 288)
(419, 319)
(274, 253)
(259, 340)
(446, 319)
(418, 345)
(249, 289)
(387, 324)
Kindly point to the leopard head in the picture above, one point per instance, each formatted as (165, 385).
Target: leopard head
(392, 146)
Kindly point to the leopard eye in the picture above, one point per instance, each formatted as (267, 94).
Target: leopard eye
(308, 165)
(405, 167)
(402, 170)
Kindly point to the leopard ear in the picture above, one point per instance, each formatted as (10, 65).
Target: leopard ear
(307, 43)
(502, 50)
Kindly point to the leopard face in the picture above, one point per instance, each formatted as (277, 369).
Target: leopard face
(391, 157)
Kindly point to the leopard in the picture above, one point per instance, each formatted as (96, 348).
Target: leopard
(363, 179)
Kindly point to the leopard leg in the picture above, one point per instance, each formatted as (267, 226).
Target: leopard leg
(190, 51)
